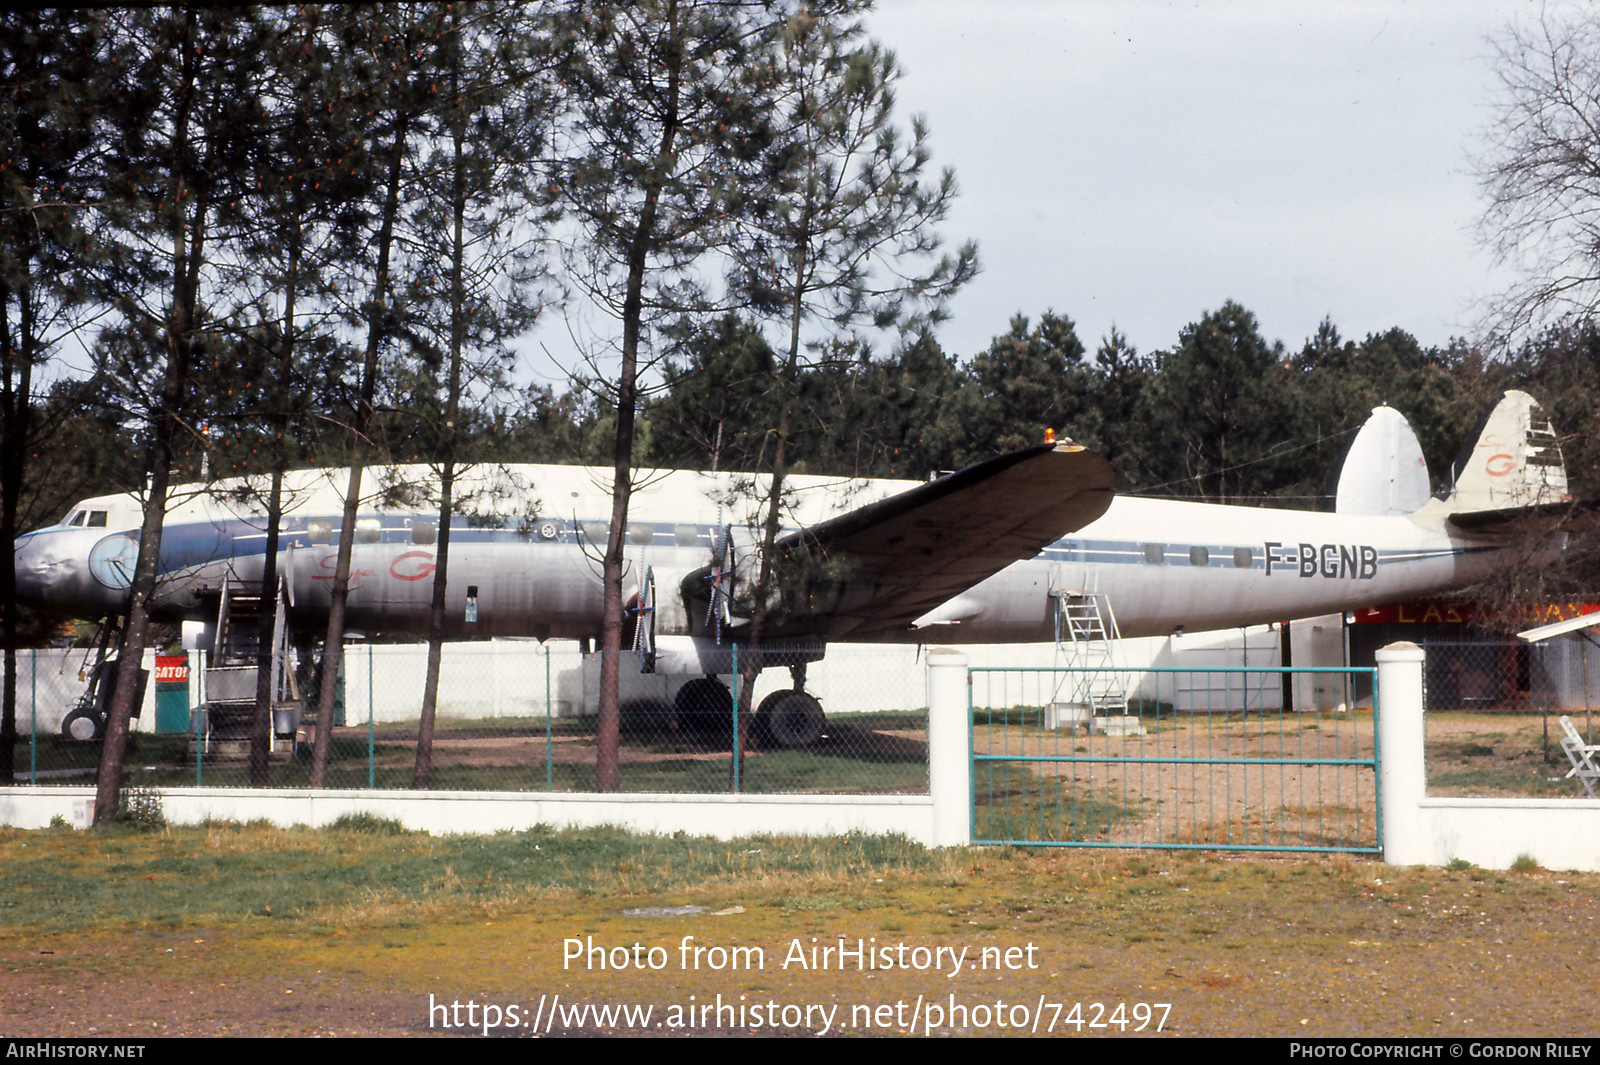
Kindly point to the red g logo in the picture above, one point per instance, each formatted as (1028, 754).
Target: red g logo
(1499, 465)
(403, 569)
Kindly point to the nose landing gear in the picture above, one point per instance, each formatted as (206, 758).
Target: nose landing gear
(83, 723)
(86, 721)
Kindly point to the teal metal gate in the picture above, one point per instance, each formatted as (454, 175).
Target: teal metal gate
(1263, 759)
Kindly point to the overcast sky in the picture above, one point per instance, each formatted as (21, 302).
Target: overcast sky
(1140, 163)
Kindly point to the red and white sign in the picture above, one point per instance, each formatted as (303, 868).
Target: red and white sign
(172, 669)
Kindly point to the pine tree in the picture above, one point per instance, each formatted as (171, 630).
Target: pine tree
(48, 103)
(666, 126)
(295, 224)
(1116, 381)
(1221, 399)
(716, 397)
(385, 55)
(841, 237)
(183, 81)
(474, 267)
(1027, 381)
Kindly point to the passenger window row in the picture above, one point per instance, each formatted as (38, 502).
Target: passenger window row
(1156, 555)
(370, 531)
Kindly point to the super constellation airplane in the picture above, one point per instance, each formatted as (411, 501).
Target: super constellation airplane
(988, 554)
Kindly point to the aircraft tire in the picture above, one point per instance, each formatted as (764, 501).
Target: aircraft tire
(703, 707)
(791, 718)
(82, 725)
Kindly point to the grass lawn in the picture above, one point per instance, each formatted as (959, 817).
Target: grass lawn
(360, 929)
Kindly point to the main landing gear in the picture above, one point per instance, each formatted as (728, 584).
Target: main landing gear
(790, 718)
(787, 718)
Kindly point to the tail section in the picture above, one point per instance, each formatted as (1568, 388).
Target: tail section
(1384, 472)
(1515, 463)
(1509, 480)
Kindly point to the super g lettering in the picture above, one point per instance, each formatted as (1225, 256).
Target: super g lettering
(1330, 561)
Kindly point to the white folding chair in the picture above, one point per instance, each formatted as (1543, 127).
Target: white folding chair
(1582, 757)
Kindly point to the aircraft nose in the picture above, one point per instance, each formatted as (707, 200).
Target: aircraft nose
(27, 565)
(39, 568)
(54, 571)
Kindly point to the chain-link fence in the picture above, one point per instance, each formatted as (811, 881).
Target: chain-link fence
(521, 716)
(516, 716)
(1493, 713)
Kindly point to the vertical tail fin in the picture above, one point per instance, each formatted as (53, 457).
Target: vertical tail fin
(1384, 472)
(1515, 462)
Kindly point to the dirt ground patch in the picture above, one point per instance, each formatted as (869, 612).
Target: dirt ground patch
(161, 984)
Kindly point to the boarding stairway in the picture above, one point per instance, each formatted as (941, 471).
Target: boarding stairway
(1092, 689)
(233, 668)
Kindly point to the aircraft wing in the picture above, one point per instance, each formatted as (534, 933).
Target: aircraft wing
(880, 567)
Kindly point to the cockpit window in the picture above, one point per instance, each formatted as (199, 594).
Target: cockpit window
(77, 519)
(97, 519)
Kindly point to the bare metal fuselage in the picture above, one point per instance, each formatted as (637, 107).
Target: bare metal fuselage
(525, 563)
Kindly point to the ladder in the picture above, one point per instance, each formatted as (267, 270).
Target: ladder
(1086, 631)
(232, 671)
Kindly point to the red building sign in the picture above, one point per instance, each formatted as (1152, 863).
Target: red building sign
(1445, 613)
(172, 669)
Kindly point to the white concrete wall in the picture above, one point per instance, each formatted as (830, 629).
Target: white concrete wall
(1320, 642)
(497, 678)
(1206, 691)
(506, 678)
(1493, 833)
(717, 816)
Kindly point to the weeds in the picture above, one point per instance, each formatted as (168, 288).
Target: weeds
(368, 824)
(140, 809)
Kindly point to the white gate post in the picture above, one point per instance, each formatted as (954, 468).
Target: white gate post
(1402, 778)
(949, 748)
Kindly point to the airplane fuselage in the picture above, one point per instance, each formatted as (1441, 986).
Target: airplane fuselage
(1166, 565)
(527, 562)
